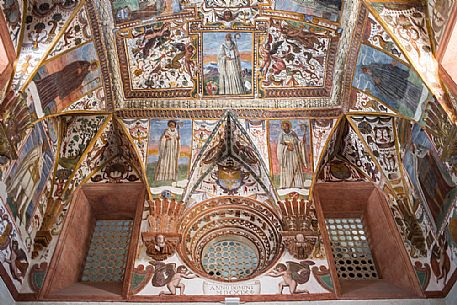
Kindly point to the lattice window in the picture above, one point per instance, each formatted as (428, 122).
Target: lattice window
(230, 259)
(107, 256)
(350, 248)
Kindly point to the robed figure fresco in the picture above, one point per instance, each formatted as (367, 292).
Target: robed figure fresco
(291, 157)
(169, 147)
(392, 82)
(229, 67)
(62, 83)
(433, 185)
(23, 184)
(427, 173)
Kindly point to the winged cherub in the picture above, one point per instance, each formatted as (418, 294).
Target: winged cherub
(169, 275)
(292, 275)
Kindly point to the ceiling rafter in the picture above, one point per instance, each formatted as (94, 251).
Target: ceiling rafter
(72, 113)
(101, 42)
(57, 154)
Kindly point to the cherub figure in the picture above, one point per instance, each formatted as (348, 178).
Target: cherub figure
(292, 275)
(17, 261)
(169, 275)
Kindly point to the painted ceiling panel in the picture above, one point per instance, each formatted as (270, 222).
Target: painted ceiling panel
(395, 84)
(138, 130)
(355, 151)
(43, 24)
(322, 130)
(428, 175)
(378, 133)
(439, 12)
(375, 35)
(75, 34)
(362, 102)
(407, 24)
(13, 13)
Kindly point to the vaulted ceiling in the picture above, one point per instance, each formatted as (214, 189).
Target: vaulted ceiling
(96, 83)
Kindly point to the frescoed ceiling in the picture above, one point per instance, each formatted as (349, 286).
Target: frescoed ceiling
(199, 99)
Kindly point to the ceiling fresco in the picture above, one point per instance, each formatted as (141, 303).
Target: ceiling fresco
(229, 112)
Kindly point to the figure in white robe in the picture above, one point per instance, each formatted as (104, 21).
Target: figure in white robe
(229, 66)
(25, 182)
(169, 147)
(291, 157)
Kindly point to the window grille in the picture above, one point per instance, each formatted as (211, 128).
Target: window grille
(350, 249)
(230, 259)
(107, 256)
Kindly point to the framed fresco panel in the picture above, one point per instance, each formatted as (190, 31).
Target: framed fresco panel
(131, 10)
(227, 64)
(29, 174)
(169, 152)
(290, 153)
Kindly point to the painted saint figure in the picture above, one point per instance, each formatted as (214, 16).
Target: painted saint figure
(229, 66)
(62, 83)
(392, 82)
(22, 186)
(169, 148)
(291, 158)
(432, 182)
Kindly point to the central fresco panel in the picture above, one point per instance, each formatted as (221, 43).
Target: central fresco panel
(226, 49)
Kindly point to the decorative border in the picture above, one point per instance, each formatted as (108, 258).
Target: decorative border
(351, 60)
(100, 47)
(218, 113)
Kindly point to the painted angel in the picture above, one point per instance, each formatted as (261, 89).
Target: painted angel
(17, 261)
(292, 275)
(170, 276)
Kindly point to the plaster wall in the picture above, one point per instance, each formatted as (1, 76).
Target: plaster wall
(5, 295)
(451, 298)
(6, 299)
(449, 61)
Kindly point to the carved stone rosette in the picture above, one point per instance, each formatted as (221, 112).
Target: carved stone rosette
(230, 218)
